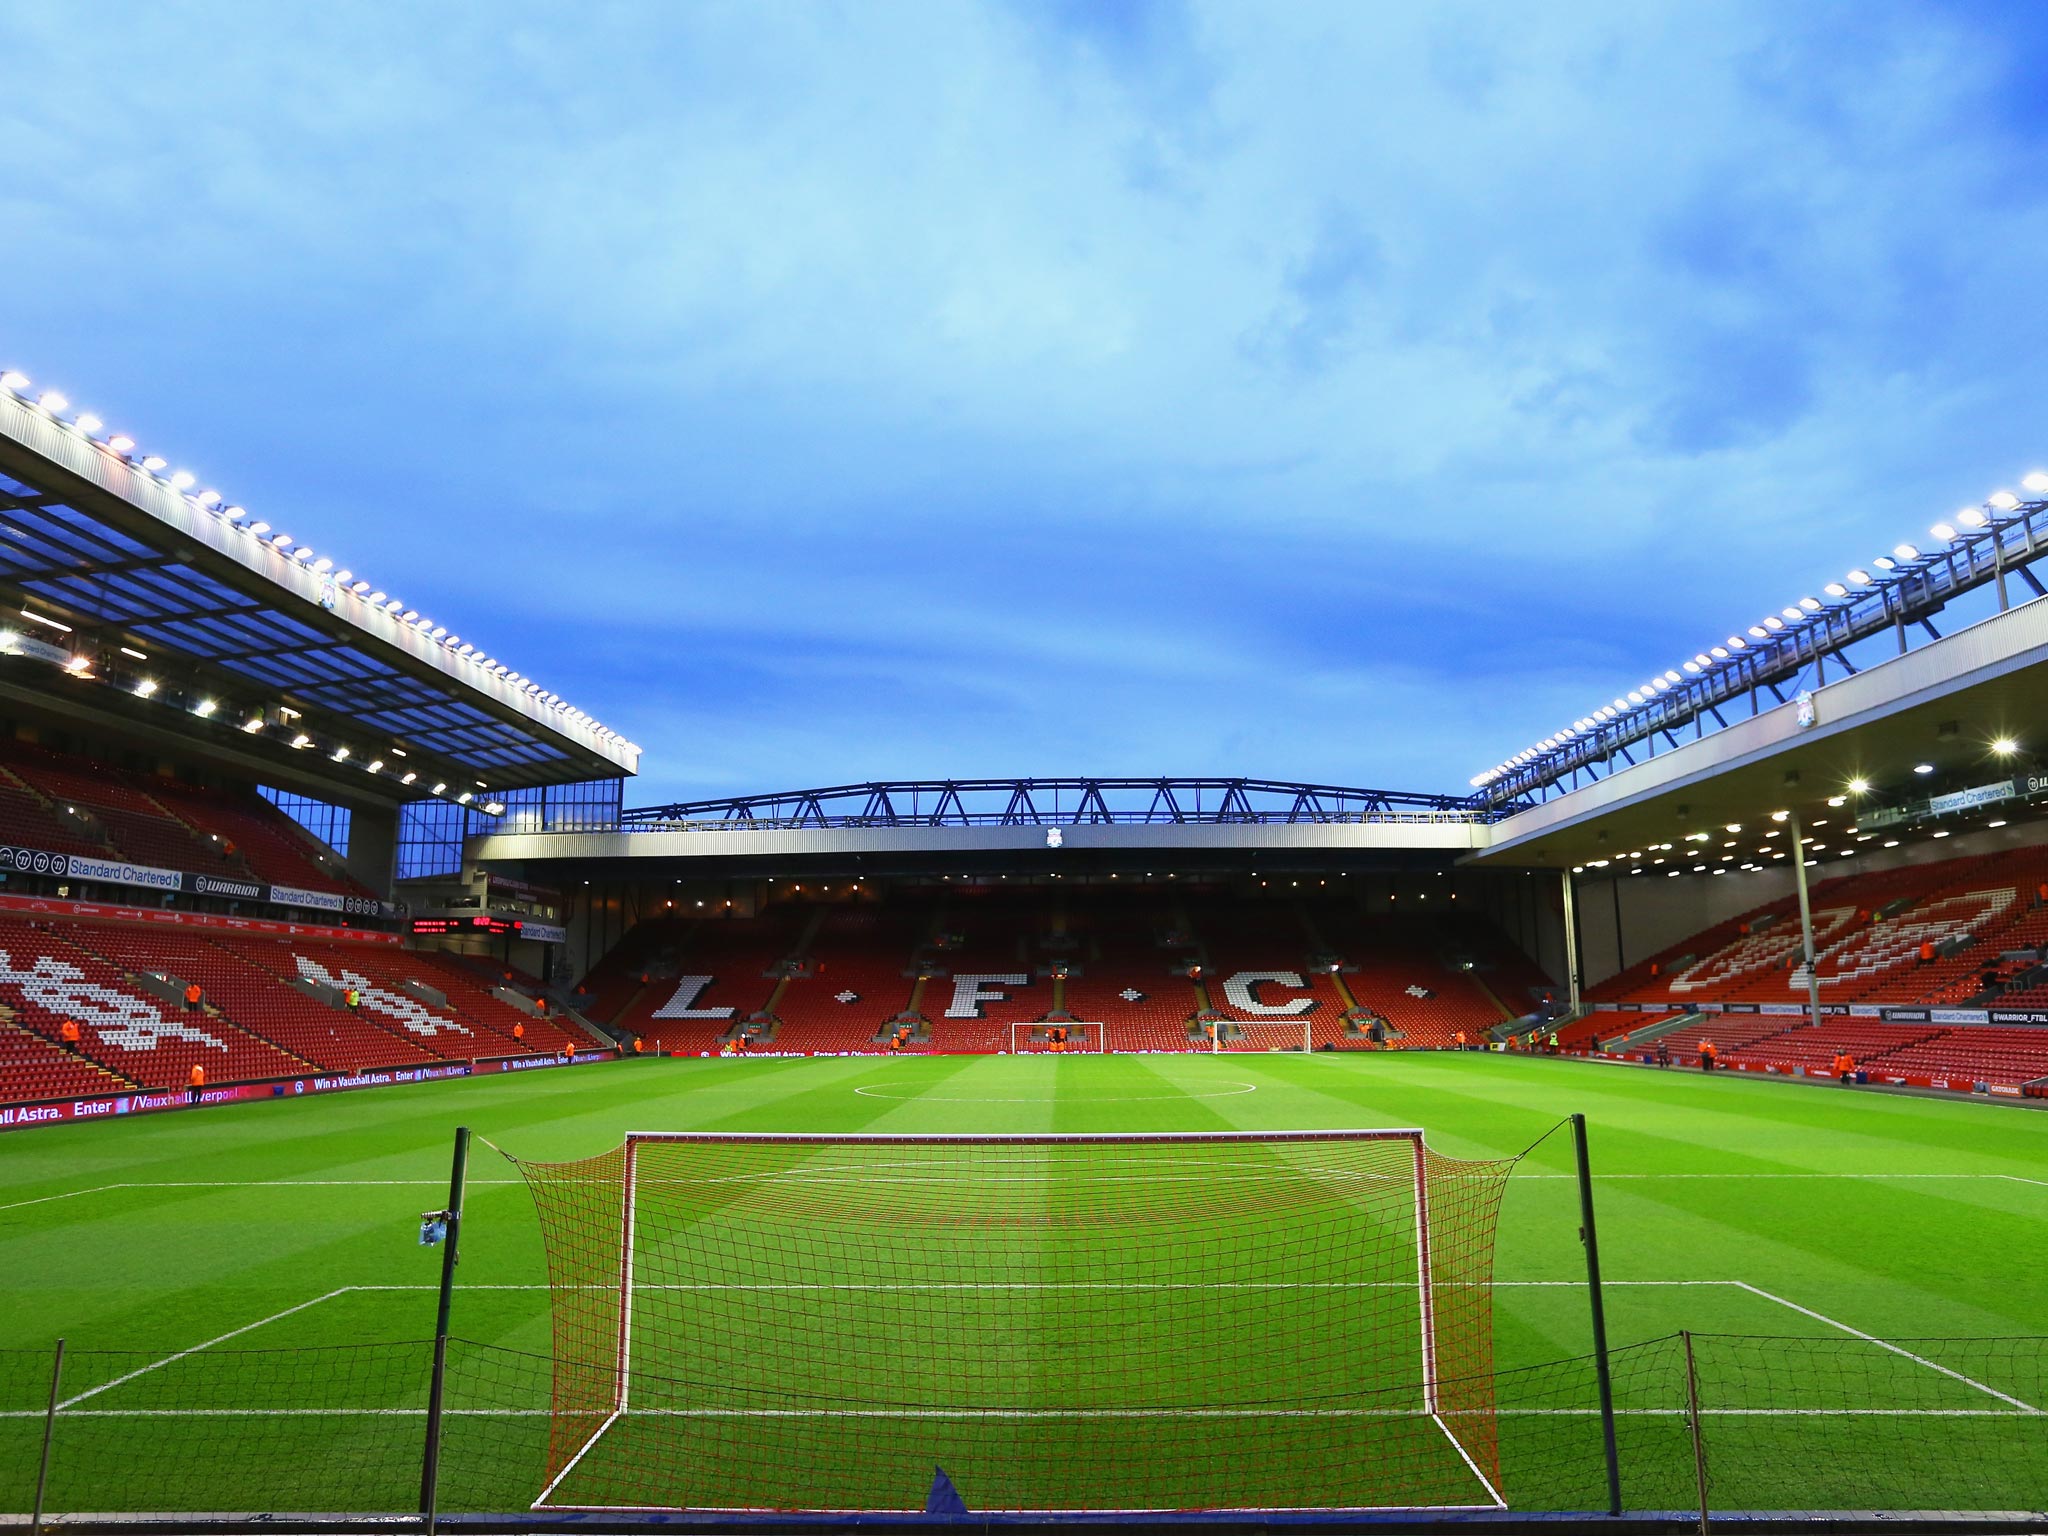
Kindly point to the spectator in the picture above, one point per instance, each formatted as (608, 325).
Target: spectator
(1709, 1055)
(67, 1035)
(194, 1081)
(353, 997)
(193, 995)
(518, 1033)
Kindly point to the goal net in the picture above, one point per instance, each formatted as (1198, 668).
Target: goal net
(1032, 1323)
(1047, 1039)
(1271, 1035)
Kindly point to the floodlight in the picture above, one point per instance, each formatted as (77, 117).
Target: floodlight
(145, 688)
(1774, 623)
(1859, 786)
(204, 708)
(1906, 553)
(1970, 517)
(1885, 563)
(1835, 589)
(408, 778)
(341, 754)
(1810, 604)
(13, 382)
(156, 464)
(52, 402)
(1720, 653)
(302, 740)
(1789, 613)
(1923, 768)
(1944, 531)
(88, 423)
(184, 480)
(438, 788)
(2005, 501)
(2005, 746)
(2036, 482)
(1692, 666)
(121, 444)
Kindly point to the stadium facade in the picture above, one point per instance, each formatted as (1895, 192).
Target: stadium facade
(215, 727)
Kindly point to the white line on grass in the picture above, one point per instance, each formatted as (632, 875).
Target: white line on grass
(1871, 1338)
(232, 1333)
(100, 1189)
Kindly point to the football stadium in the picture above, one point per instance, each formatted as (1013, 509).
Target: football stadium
(423, 1107)
(1123, 1150)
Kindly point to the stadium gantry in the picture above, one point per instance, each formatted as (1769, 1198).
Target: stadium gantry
(1062, 802)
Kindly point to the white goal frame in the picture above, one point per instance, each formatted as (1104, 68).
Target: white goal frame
(1095, 1045)
(1425, 1287)
(1245, 1026)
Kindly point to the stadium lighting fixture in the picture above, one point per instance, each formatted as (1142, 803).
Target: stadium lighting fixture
(1734, 826)
(1757, 631)
(13, 382)
(145, 688)
(374, 765)
(497, 808)
(79, 666)
(1923, 768)
(1906, 553)
(156, 464)
(121, 444)
(88, 423)
(1789, 612)
(1999, 823)
(1780, 815)
(302, 740)
(438, 788)
(2005, 746)
(408, 778)
(129, 650)
(283, 540)
(1885, 563)
(341, 754)
(184, 480)
(1774, 623)
(359, 587)
(1859, 577)
(1941, 834)
(409, 615)
(204, 708)
(398, 751)
(1692, 666)
(1859, 786)
(1835, 589)
(254, 725)
(1810, 604)
(208, 498)
(2005, 501)
(259, 528)
(302, 554)
(1838, 800)
(51, 401)
(465, 797)
(2036, 482)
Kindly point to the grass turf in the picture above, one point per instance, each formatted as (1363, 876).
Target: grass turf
(1727, 1206)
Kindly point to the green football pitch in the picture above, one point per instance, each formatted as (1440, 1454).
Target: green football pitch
(1742, 1210)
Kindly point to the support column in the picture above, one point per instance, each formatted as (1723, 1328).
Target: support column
(1571, 941)
(1805, 918)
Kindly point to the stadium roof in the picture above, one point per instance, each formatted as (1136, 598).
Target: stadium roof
(124, 571)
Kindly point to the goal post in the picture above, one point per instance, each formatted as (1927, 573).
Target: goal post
(1082, 1039)
(812, 1323)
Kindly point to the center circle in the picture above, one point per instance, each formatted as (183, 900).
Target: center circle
(1234, 1088)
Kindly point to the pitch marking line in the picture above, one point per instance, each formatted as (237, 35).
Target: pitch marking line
(441, 1181)
(196, 1348)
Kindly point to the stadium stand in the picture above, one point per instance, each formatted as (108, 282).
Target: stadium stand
(69, 804)
(832, 976)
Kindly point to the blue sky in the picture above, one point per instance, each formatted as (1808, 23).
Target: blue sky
(823, 392)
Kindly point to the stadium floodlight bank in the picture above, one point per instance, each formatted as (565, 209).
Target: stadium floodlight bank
(1027, 1325)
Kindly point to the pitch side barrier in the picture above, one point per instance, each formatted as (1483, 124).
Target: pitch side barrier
(149, 1101)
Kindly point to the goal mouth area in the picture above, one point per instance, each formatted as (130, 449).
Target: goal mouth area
(1028, 1326)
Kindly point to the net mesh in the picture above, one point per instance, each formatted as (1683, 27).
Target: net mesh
(1226, 1321)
